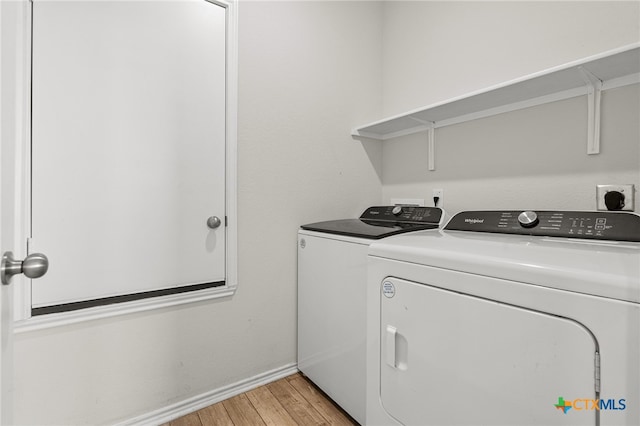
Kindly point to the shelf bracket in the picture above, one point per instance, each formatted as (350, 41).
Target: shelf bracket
(431, 147)
(594, 95)
(431, 141)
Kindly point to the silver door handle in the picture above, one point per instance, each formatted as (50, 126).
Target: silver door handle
(33, 266)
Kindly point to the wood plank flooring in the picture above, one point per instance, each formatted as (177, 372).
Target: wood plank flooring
(293, 400)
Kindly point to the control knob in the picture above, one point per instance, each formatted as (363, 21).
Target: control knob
(528, 219)
(396, 210)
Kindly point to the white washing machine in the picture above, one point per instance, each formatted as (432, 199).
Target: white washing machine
(507, 318)
(332, 275)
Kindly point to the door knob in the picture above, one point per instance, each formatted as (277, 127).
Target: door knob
(33, 266)
(213, 222)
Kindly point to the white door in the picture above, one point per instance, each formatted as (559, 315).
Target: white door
(452, 359)
(7, 225)
(128, 148)
(12, 42)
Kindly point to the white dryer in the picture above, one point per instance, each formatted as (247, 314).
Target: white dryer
(507, 318)
(332, 280)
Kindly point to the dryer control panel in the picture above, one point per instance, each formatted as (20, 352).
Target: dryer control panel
(617, 226)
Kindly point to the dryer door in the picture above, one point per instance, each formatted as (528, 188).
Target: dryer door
(449, 358)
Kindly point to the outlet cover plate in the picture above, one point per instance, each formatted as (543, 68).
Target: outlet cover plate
(627, 190)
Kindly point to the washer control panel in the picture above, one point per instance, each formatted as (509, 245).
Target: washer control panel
(403, 214)
(617, 226)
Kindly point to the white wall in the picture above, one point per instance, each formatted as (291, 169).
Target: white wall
(533, 158)
(309, 72)
(436, 50)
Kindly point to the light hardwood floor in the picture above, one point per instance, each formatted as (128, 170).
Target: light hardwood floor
(293, 400)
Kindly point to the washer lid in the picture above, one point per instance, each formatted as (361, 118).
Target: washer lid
(366, 228)
(602, 268)
(382, 221)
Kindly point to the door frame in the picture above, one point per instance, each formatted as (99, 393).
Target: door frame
(22, 119)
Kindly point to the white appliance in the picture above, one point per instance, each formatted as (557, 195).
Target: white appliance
(507, 318)
(332, 274)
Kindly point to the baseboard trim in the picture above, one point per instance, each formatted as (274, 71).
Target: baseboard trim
(174, 411)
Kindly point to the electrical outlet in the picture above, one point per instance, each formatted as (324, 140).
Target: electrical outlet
(626, 190)
(439, 193)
